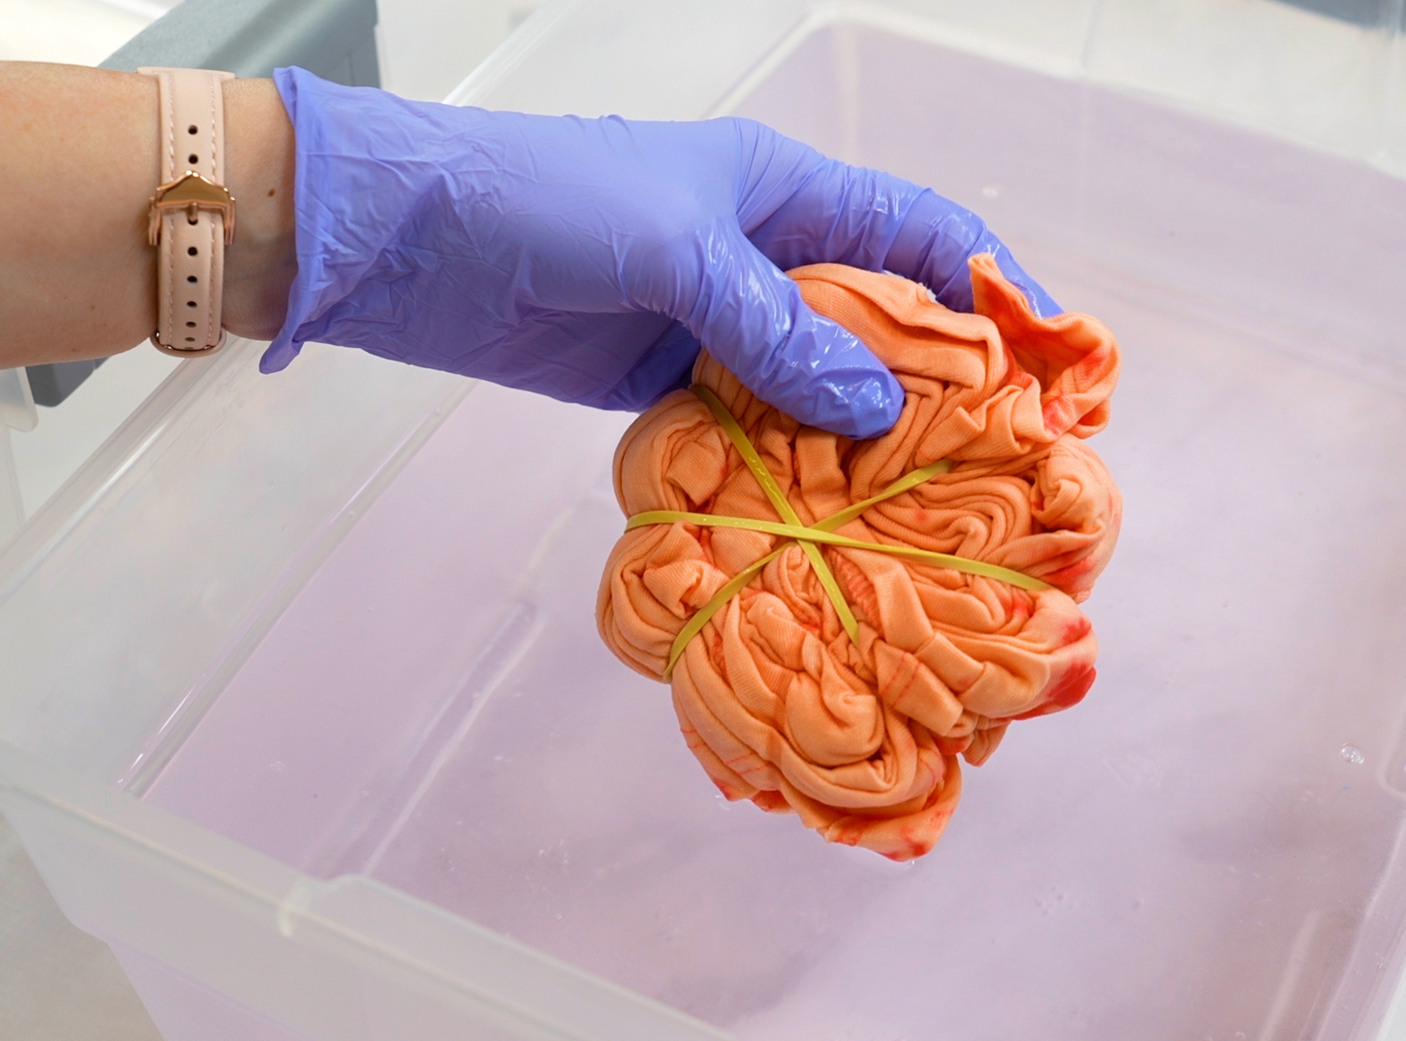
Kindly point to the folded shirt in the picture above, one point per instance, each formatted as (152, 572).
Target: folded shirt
(850, 707)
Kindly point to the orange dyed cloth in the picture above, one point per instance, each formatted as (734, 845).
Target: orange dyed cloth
(776, 701)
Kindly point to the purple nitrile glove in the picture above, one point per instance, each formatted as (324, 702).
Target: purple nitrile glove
(587, 259)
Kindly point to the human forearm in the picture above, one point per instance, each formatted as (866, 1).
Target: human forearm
(78, 162)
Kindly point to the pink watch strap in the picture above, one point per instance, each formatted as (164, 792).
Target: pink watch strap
(192, 214)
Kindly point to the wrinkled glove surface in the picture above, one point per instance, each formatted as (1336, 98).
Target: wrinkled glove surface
(588, 259)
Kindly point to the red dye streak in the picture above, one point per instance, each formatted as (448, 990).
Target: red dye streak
(772, 802)
(1070, 690)
(1075, 629)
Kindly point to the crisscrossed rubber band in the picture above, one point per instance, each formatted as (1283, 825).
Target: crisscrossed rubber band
(779, 502)
(807, 536)
(820, 535)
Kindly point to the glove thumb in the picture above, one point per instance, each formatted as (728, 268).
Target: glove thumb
(751, 317)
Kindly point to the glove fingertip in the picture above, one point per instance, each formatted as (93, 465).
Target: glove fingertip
(867, 407)
(807, 365)
(840, 385)
(278, 357)
(875, 407)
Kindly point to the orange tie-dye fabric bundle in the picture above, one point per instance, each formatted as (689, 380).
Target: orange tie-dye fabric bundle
(860, 734)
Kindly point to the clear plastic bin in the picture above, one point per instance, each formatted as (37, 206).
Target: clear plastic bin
(305, 713)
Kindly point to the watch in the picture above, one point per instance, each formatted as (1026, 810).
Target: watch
(191, 215)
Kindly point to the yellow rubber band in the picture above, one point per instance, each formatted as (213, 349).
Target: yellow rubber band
(817, 534)
(782, 506)
(704, 614)
(807, 536)
(906, 483)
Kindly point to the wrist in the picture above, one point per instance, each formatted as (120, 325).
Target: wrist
(262, 261)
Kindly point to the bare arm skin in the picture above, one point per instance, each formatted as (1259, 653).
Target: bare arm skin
(78, 162)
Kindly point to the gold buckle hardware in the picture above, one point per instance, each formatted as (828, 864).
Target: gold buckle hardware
(190, 192)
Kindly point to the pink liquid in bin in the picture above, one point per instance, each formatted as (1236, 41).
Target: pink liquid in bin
(1204, 848)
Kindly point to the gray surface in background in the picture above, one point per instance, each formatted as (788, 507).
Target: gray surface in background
(333, 38)
(51, 384)
(1372, 13)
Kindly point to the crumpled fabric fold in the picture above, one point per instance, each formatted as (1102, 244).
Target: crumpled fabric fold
(861, 738)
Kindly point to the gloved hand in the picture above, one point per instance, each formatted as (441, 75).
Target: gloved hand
(587, 259)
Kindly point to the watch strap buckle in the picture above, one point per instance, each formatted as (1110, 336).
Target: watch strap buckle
(190, 192)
